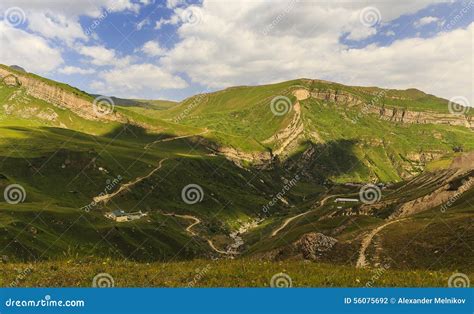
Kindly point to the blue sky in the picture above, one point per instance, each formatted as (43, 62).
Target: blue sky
(173, 49)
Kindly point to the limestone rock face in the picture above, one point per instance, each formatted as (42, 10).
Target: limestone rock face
(393, 114)
(406, 116)
(57, 96)
(11, 80)
(340, 97)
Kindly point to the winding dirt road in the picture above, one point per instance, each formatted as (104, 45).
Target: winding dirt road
(188, 228)
(362, 261)
(288, 220)
(197, 221)
(107, 197)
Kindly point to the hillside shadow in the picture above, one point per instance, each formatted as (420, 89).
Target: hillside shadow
(318, 163)
(125, 132)
(69, 168)
(322, 161)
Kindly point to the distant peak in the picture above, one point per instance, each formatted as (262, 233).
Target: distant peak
(17, 68)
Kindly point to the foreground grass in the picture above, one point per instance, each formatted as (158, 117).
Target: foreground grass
(208, 273)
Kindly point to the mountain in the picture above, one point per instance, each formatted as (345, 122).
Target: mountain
(17, 68)
(278, 172)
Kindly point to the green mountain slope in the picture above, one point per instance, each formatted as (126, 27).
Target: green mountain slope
(255, 169)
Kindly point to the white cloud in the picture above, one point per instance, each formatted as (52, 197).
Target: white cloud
(229, 46)
(57, 26)
(73, 8)
(441, 65)
(59, 19)
(171, 4)
(136, 79)
(190, 14)
(171, 21)
(143, 23)
(425, 21)
(101, 56)
(361, 33)
(75, 70)
(153, 48)
(27, 50)
(251, 42)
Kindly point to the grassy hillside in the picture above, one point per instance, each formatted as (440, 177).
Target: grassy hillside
(437, 239)
(241, 117)
(63, 161)
(66, 87)
(206, 273)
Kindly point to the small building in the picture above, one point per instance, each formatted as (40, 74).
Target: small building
(121, 216)
(117, 215)
(136, 215)
(346, 200)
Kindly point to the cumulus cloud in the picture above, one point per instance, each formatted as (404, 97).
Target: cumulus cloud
(73, 8)
(60, 19)
(441, 65)
(136, 80)
(170, 4)
(425, 21)
(56, 26)
(231, 47)
(153, 49)
(226, 43)
(75, 70)
(143, 23)
(28, 50)
(101, 56)
(171, 21)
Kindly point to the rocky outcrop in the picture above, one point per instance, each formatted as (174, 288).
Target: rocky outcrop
(313, 245)
(58, 96)
(47, 114)
(258, 160)
(446, 195)
(424, 157)
(340, 97)
(290, 134)
(393, 114)
(288, 137)
(418, 117)
(11, 80)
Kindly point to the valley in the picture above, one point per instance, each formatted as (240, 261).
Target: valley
(319, 180)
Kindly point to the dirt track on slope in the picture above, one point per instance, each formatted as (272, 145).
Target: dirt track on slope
(192, 233)
(147, 146)
(107, 197)
(362, 260)
(288, 220)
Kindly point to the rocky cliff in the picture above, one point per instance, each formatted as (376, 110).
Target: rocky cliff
(57, 96)
(393, 114)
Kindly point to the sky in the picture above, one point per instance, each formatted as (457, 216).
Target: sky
(172, 49)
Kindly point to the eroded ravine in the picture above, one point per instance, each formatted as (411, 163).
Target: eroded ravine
(289, 135)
